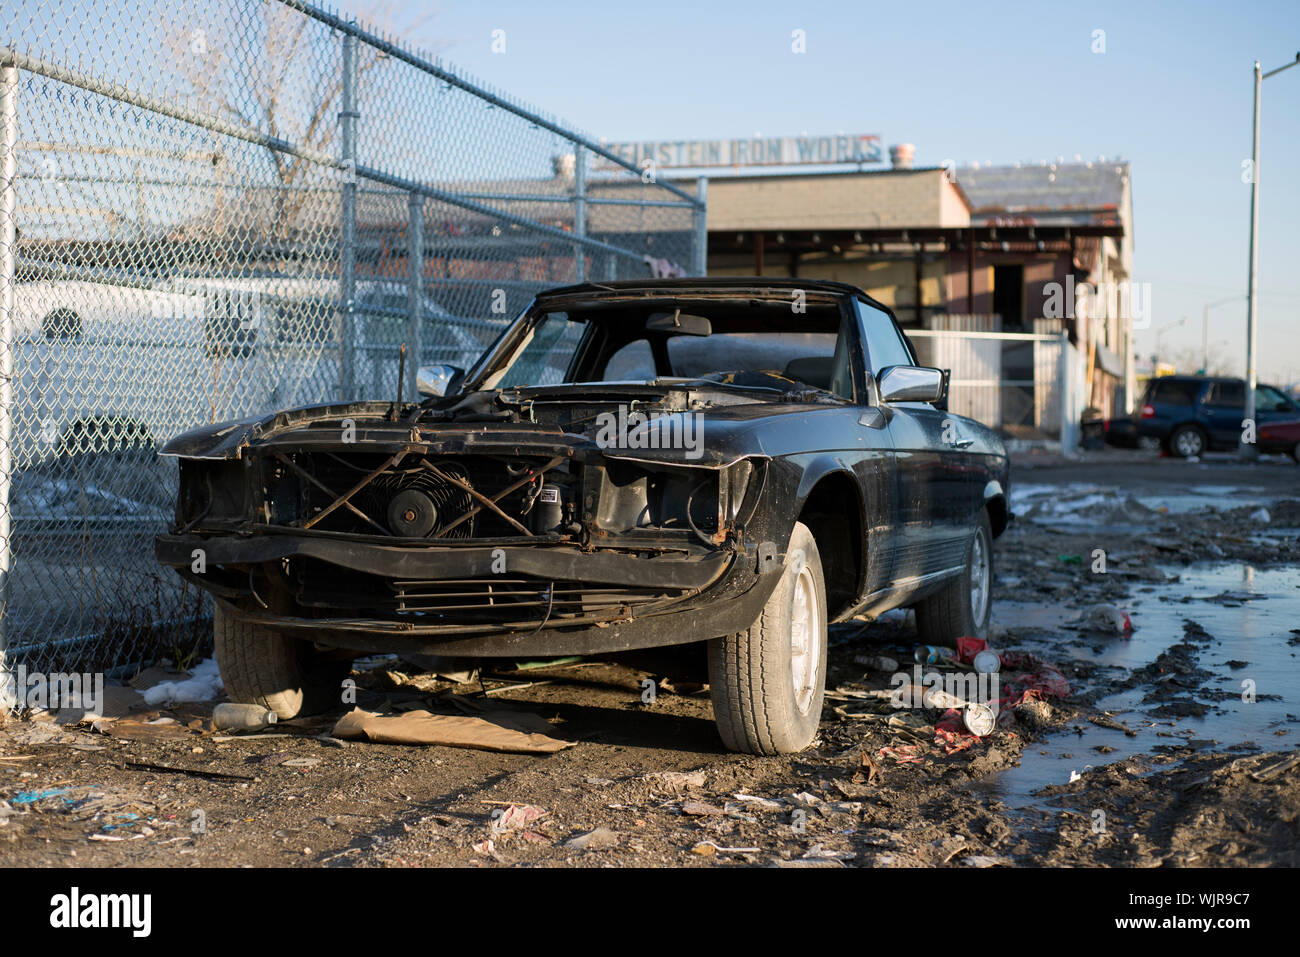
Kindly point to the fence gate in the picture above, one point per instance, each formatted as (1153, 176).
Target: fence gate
(213, 210)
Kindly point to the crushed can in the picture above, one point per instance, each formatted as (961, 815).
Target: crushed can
(935, 655)
(987, 662)
(979, 719)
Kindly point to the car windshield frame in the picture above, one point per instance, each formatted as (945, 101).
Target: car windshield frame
(496, 361)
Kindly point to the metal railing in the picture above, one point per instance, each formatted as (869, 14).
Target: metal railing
(1013, 382)
(212, 211)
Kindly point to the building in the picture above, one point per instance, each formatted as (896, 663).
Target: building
(1013, 251)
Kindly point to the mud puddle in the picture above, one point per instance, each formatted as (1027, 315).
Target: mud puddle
(1213, 663)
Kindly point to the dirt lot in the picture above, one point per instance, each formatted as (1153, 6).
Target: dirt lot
(1170, 747)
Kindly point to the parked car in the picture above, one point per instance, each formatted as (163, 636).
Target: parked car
(630, 465)
(1192, 414)
(1281, 437)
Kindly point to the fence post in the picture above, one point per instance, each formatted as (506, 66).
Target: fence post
(348, 253)
(8, 271)
(701, 224)
(1065, 380)
(579, 212)
(415, 300)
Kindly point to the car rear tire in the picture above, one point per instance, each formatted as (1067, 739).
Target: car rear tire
(260, 665)
(1187, 441)
(769, 680)
(1295, 453)
(962, 609)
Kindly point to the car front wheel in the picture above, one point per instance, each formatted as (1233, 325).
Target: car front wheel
(260, 665)
(768, 681)
(962, 609)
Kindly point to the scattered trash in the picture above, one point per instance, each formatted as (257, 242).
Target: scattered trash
(233, 716)
(505, 731)
(817, 852)
(301, 762)
(700, 809)
(1261, 515)
(677, 781)
(708, 849)
(765, 803)
(31, 797)
(1276, 769)
(203, 684)
(934, 654)
(516, 817)
(878, 662)
(1105, 618)
(977, 653)
(1070, 559)
(600, 837)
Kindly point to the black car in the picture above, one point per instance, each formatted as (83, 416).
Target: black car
(629, 465)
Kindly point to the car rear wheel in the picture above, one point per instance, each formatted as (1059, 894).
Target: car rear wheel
(962, 608)
(260, 665)
(1187, 441)
(1295, 453)
(768, 681)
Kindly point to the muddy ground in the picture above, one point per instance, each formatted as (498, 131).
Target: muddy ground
(1170, 748)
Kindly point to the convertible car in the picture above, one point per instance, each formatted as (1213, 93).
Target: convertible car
(629, 465)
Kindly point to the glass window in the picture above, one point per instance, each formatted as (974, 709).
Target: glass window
(1231, 394)
(634, 362)
(884, 344)
(546, 353)
(1178, 392)
(1268, 399)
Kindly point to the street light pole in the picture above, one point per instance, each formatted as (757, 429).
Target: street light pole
(1205, 331)
(1246, 450)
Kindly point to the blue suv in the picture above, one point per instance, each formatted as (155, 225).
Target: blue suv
(1193, 414)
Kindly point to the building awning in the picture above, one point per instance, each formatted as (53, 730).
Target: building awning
(1110, 362)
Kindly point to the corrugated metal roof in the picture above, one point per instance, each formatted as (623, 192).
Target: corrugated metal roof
(1050, 188)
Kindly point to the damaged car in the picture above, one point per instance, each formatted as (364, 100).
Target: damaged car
(630, 465)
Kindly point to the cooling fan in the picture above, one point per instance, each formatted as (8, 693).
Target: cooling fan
(416, 504)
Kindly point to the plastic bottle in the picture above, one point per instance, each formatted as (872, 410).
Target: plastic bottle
(230, 716)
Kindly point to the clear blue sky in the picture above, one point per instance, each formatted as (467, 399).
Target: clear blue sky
(1001, 82)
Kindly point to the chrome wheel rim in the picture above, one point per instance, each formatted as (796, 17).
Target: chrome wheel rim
(1188, 444)
(805, 639)
(979, 578)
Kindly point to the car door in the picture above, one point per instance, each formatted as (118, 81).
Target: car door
(1222, 412)
(1272, 406)
(936, 499)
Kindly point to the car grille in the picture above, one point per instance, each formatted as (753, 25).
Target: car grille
(334, 592)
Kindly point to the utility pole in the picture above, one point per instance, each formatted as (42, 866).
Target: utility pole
(1246, 450)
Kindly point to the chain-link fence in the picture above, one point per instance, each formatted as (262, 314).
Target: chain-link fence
(231, 206)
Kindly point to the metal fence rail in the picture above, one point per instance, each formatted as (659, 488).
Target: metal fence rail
(213, 211)
(1013, 382)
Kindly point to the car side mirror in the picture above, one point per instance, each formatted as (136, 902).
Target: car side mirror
(437, 380)
(911, 384)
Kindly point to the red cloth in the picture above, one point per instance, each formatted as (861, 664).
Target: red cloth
(1023, 677)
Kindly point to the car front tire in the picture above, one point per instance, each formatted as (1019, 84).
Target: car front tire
(962, 608)
(1187, 441)
(768, 681)
(260, 665)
